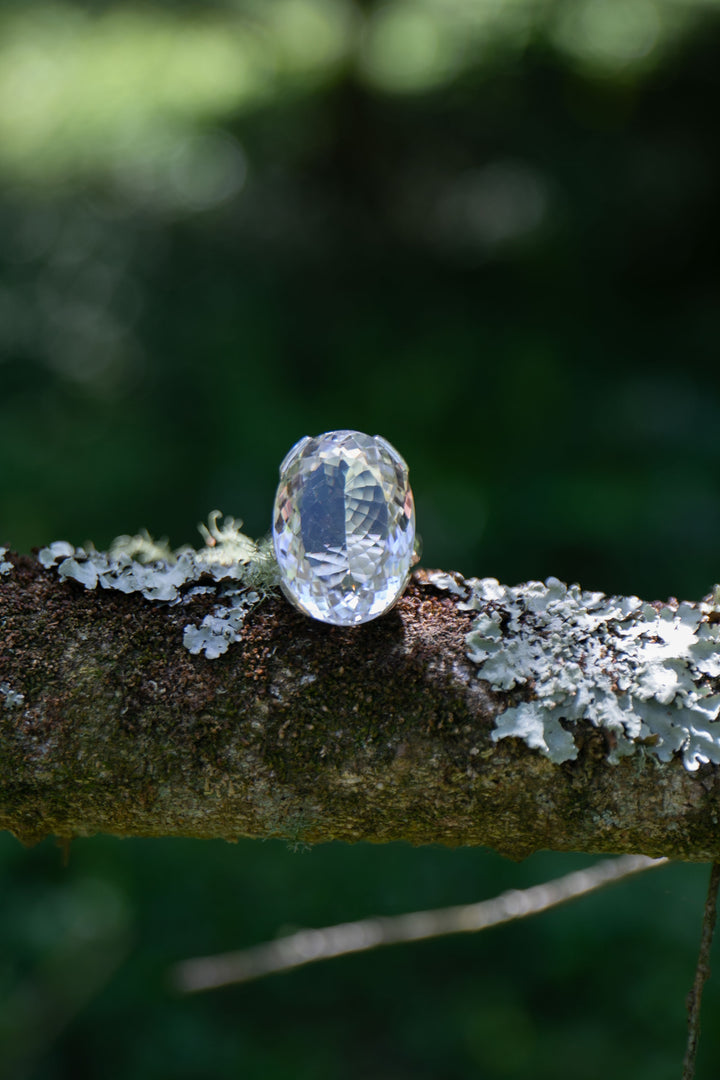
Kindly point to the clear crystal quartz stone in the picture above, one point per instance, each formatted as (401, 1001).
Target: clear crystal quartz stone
(344, 526)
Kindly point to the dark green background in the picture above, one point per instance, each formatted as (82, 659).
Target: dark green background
(487, 231)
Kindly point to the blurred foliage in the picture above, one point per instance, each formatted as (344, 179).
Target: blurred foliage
(487, 230)
(223, 228)
(593, 989)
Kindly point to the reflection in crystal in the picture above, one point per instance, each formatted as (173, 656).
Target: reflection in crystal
(344, 527)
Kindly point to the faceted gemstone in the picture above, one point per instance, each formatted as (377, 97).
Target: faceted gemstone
(344, 526)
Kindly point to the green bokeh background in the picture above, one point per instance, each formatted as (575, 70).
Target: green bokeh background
(488, 231)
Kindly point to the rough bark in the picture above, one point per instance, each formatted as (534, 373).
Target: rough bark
(301, 731)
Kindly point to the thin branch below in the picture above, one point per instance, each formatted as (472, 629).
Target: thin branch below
(702, 973)
(311, 946)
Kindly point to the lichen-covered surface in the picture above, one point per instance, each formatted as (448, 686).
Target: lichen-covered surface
(240, 571)
(646, 674)
(391, 730)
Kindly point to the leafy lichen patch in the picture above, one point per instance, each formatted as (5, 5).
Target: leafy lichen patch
(241, 569)
(11, 697)
(637, 671)
(449, 582)
(219, 630)
(5, 566)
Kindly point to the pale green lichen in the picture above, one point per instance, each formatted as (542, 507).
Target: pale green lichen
(241, 572)
(5, 566)
(12, 697)
(218, 631)
(638, 671)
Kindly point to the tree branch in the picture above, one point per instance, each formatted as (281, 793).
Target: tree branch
(702, 974)
(395, 730)
(312, 946)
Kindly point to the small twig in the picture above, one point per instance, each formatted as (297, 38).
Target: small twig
(702, 972)
(309, 946)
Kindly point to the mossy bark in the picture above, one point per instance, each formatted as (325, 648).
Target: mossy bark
(301, 731)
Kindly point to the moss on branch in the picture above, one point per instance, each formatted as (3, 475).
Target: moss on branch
(387, 731)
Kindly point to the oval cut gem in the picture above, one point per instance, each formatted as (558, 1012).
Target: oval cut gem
(344, 526)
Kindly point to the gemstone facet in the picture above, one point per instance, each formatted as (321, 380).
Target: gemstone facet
(344, 527)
